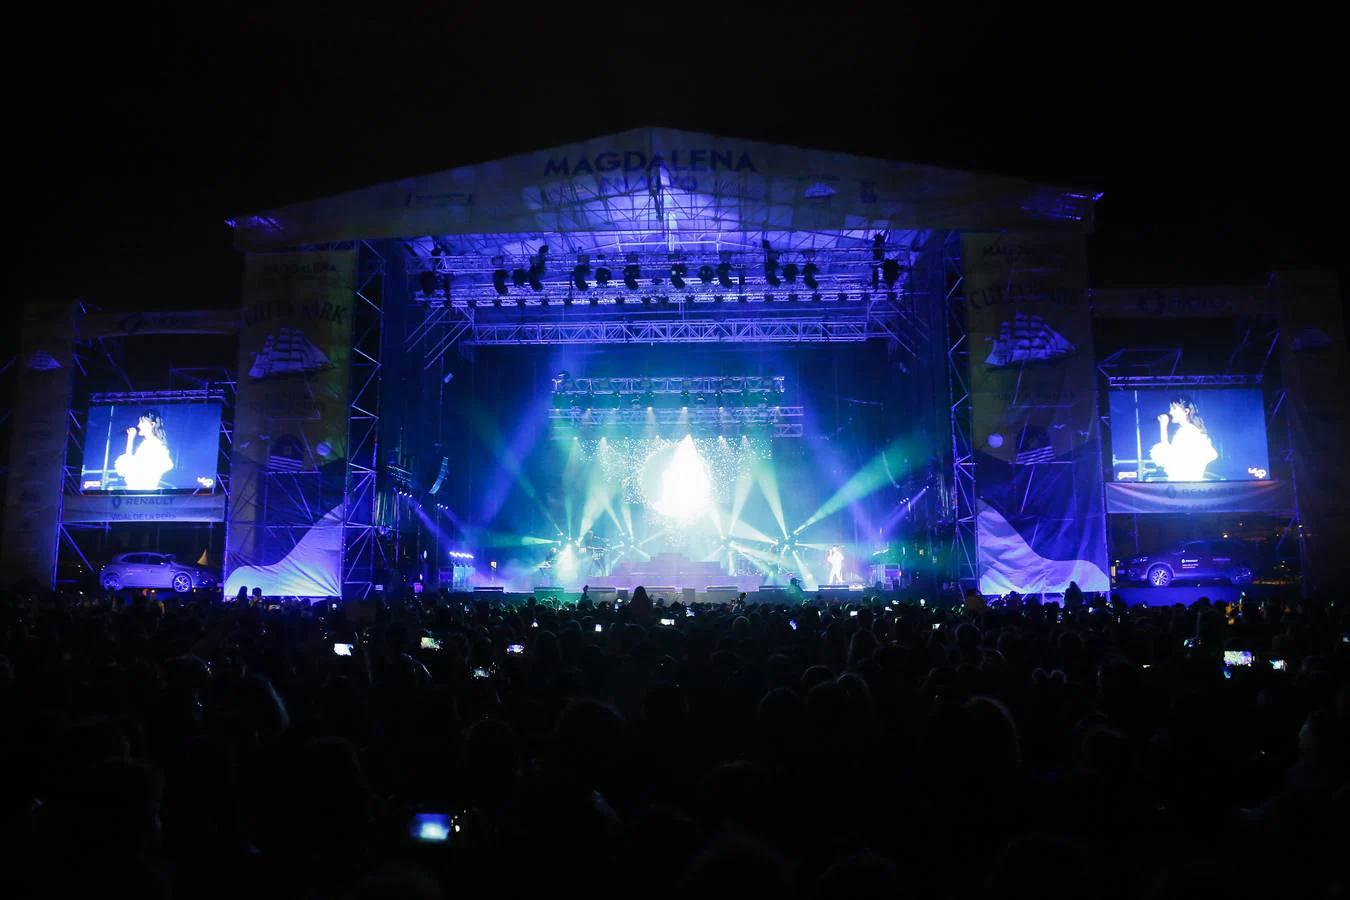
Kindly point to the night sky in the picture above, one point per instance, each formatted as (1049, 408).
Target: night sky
(133, 135)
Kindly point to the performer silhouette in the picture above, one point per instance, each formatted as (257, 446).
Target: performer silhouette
(836, 560)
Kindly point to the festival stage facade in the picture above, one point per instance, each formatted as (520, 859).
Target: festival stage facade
(692, 363)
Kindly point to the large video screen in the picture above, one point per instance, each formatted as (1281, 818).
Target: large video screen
(1171, 435)
(140, 448)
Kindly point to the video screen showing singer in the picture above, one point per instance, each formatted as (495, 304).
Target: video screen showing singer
(1185, 453)
(144, 464)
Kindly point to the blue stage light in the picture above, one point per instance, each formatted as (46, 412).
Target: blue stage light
(809, 275)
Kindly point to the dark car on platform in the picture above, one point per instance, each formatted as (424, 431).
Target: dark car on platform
(1193, 561)
(155, 570)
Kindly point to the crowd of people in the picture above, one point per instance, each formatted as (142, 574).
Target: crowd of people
(436, 747)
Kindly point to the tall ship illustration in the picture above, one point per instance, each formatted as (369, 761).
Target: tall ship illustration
(1027, 339)
(288, 352)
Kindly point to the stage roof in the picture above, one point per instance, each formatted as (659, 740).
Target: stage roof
(675, 189)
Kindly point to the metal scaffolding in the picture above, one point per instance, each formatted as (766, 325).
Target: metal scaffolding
(851, 288)
(362, 553)
(964, 551)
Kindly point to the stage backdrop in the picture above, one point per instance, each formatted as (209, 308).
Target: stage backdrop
(1040, 518)
(288, 463)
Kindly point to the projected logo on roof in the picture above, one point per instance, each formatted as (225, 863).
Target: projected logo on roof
(638, 161)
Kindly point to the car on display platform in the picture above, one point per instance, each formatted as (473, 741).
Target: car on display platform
(155, 570)
(1193, 561)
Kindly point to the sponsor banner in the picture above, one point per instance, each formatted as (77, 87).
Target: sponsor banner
(670, 176)
(143, 508)
(1198, 497)
(1034, 423)
(38, 444)
(1200, 303)
(288, 462)
(197, 321)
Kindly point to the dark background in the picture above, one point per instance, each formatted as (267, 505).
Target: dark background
(134, 133)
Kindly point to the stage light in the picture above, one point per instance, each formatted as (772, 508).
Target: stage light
(771, 265)
(890, 271)
(684, 398)
(499, 281)
(809, 275)
(520, 278)
(717, 298)
(706, 274)
(497, 301)
(742, 299)
(428, 283)
(602, 276)
(688, 298)
(724, 275)
(594, 300)
(792, 297)
(678, 272)
(768, 298)
(879, 246)
(815, 298)
(790, 273)
(842, 298)
(579, 276)
(631, 273)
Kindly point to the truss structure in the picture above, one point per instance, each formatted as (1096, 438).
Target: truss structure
(362, 553)
(851, 288)
(854, 268)
(731, 387)
(964, 551)
(777, 421)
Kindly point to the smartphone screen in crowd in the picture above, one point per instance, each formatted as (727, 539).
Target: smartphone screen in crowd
(515, 649)
(430, 643)
(342, 649)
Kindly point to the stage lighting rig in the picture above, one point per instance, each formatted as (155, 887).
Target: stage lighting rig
(706, 274)
(631, 273)
(579, 273)
(790, 273)
(520, 278)
(499, 276)
(602, 276)
(770, 264)
(724, 275)
(879, 246)
(890, 272)
(809, 273)
(678, 272)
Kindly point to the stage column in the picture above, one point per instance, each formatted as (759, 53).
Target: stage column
(1040, 516)
(38, 444)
